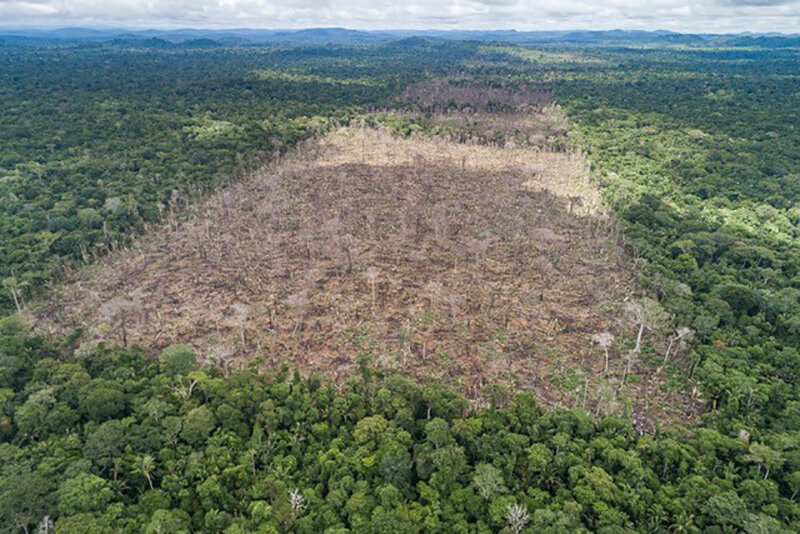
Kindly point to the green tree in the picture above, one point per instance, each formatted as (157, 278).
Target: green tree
(198, 425)
(84, 493)
(101, 401)
(178, 360)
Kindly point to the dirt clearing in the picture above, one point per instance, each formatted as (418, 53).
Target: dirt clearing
(465, 262)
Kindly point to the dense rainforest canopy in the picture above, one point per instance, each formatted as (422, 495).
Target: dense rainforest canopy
(698, 151)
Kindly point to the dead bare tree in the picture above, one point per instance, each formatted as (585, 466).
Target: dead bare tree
(682, 336)
(439, 225)
(574, 200)
(454, 300)
(477, 248)
(298, 303)
(648, 314)
(349, 246)
(604, 340)
(239, 319)
(307, 234)
(517, 517)
(372, 274)
(121, 311)
(433, 289)
(222, 355)
(406, 337)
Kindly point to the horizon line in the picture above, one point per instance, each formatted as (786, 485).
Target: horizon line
(110, 28)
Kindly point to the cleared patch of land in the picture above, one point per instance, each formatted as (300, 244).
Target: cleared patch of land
(467, 262)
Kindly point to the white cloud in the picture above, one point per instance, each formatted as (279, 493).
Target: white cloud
(697, 16)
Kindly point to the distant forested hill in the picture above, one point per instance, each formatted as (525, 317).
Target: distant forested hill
(344, 36)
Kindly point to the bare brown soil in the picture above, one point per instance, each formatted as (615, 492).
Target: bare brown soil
(468, 263)
(465, 94)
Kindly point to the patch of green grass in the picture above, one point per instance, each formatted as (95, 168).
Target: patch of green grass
(569, 380)
(429, 319)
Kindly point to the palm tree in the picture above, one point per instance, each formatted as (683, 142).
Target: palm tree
(683, 523)
(144, 465)
(763, 456)
(14, 286)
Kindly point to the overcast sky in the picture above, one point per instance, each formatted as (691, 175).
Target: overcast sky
(712, 16)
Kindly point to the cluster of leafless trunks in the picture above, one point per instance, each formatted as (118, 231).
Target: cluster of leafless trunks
(469, 264)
